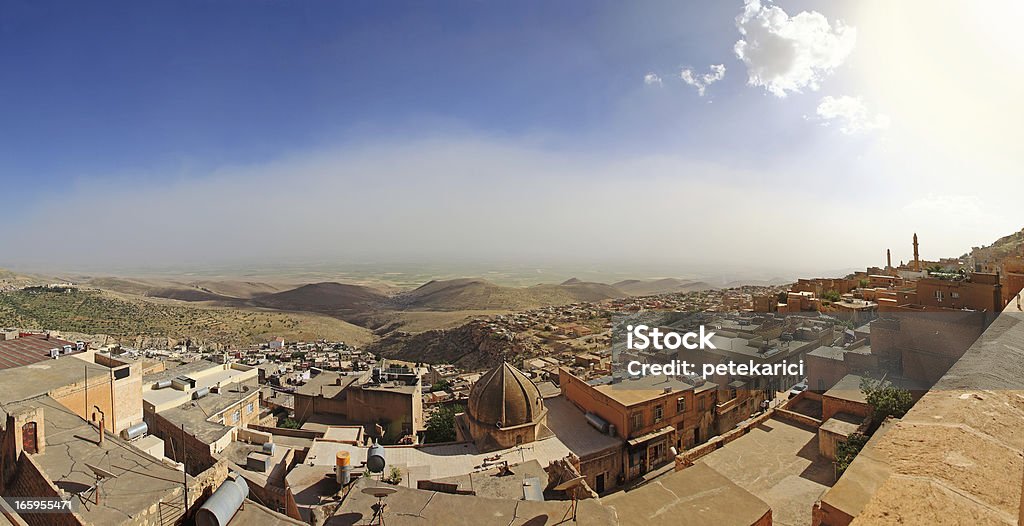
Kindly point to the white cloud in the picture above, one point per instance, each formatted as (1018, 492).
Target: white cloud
(651, 79)
(851, 114)
(784, 53)
(701, 82)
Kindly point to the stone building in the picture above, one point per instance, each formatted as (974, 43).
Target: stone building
(505, 409)
(651, 415)
(389, 397)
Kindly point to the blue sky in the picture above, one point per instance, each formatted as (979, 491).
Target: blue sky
(130, 101)
(92, 89)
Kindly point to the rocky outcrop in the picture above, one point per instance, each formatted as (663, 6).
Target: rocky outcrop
(478, 344)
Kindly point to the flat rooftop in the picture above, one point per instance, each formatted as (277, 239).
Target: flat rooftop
(697, 495)
(141, 480)
(195, 414)
(327, 383)
(848, 388)
(42, 377)
(411, 507)
(27, 350)
(431, 462)
(828, 352)
(570, 425)
(492, 483)
(778, 462)
(206, 374)
(635, 390)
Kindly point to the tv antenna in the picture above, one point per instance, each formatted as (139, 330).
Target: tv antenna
(378, 509)
(101, 475)
(571, 487)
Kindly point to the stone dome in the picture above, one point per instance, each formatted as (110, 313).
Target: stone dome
(505, 397)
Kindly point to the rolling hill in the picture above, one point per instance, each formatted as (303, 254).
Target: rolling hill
(636, 287)
(327, 297)
(478, 294)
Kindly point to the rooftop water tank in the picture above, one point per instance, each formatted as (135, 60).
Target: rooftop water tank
(224, 503)
(375, 459)
(135, 431)
(598, 422)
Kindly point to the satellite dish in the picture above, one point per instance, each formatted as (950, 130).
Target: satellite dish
(378, 509)
(100, 472)
(570, 484)
(379, 493)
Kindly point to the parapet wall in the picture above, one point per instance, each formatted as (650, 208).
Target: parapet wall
(959, 453)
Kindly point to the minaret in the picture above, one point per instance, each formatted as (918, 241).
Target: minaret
(917, 260)
(888, 259)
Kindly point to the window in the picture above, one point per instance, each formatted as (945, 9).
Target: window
(237, 416)
(938, 296)
(681, 404)
(700, 405)
(732, 393)
(659, 412)
(638, 421)
(249, 408)
(954, 295)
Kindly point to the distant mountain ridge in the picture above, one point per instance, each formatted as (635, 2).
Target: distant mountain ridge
(479, 294)
(637, 287)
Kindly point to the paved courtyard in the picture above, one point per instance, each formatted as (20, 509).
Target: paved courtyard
(779, 463)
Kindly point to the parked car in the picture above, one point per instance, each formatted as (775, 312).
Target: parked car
(798, 388)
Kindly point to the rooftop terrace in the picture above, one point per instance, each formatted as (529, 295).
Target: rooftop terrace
(141, 481)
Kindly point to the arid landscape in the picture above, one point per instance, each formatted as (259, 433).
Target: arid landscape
(226, 312)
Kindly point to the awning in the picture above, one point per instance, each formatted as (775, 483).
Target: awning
(650, 436)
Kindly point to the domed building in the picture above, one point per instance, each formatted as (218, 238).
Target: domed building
(505, 409)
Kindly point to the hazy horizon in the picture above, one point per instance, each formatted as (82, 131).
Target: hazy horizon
(762, 138)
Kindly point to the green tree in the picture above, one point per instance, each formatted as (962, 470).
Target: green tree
(443, 385)
(847, 450)
(289, 423)
(441, 424)
(832, 296)
(394, 476)
(863, 283)
(885, 399)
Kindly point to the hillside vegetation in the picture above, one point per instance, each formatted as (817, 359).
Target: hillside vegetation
(1005, 246)
(98, 313)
